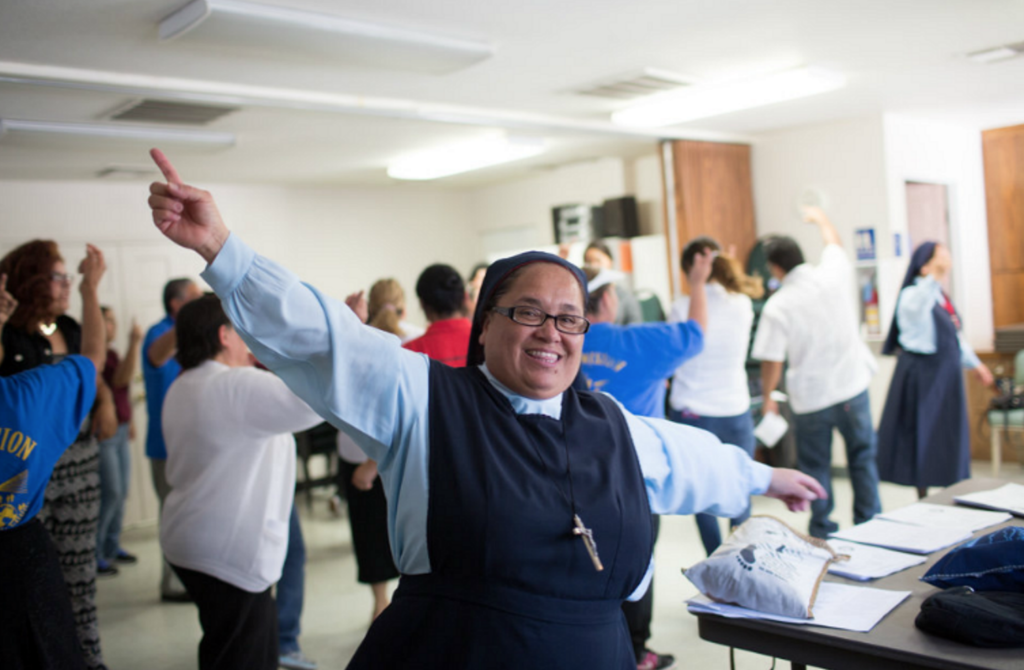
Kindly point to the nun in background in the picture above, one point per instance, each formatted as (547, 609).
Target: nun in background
(923, 437)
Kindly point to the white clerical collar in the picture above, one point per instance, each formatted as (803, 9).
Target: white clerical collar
(551, 407)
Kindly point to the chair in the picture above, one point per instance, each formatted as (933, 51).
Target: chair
(1006, 420)
(320, 440)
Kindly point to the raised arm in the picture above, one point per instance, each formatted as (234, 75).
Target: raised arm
(698, 279)
(94, 336)
(358, 378)
(126, 368)
(7, 306)
(817, 216)
(162, 348)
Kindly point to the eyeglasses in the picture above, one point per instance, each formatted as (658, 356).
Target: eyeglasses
(570, 324)
(62, 277)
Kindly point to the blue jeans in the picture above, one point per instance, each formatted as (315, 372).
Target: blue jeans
(115, 472)
(291, 588)
(814, 457)
(738, 430)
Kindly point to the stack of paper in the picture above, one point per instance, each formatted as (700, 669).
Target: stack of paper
(867, 562)
(1009, 498)
(904, 536)
(945, 516)
(856, 608)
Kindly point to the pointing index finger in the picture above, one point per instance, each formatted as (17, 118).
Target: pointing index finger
(165, 166)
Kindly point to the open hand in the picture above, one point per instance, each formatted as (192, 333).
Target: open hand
(700, 271)
(357, 303)
(7, 302)
(187, 215)
(795, 489)
(91, 268)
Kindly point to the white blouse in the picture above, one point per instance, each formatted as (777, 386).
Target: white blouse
(714, 382)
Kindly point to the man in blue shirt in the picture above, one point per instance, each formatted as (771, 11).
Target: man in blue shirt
(159, 370)
(632, 363)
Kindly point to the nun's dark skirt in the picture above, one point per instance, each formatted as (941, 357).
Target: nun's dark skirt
(923, 439)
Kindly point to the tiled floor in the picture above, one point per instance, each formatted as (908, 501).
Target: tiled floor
(138, 632)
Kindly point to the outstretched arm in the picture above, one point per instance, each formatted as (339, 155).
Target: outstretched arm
(94, 333)
(358, 378)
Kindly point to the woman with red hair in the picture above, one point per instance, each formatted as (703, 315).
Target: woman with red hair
(38, 332)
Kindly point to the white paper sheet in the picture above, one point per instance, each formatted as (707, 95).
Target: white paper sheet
(1008, 498)
(945, 516)
(856, 608)
(867, 562)
(903, 536)
(771, 429)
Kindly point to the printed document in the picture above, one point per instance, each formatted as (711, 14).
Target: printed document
(1008, 498)
(867, 562)
(945, 516)
(903, 536)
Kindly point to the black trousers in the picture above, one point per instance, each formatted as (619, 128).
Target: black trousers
(639, 613)
(239, 627)
(368, 519)
(37, 626)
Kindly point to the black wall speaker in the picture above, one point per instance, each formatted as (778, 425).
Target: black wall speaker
(621, 217)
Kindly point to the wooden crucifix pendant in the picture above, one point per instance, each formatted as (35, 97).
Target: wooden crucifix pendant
(588, 540)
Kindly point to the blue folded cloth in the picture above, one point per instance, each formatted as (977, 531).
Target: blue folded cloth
(993, 562)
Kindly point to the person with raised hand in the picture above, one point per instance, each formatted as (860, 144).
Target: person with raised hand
(518, 508)
(49, 503)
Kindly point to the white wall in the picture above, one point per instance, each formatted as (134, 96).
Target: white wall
(931, 152)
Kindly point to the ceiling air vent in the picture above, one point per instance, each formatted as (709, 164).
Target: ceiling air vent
(636, 85)
(162, 111)
(131, 172)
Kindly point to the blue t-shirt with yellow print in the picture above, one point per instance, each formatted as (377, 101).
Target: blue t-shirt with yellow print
(41, 411)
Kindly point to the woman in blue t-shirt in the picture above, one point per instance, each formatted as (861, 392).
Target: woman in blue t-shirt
(41, 411)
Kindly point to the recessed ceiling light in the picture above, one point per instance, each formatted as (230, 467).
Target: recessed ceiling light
(464, 157)
(706, 100)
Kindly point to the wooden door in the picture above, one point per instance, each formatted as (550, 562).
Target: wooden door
(712, 195)
(1004, 196)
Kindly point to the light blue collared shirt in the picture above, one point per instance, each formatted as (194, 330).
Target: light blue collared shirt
(917, 325)
(362, 381)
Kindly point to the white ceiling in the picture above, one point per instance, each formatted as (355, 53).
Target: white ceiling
(904, 56)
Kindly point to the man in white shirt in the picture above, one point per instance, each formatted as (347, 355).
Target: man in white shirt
(231, 467)
(811, 322)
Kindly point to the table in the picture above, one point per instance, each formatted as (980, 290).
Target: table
(894, 644)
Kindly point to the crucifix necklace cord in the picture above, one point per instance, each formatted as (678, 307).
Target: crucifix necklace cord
(579, 529)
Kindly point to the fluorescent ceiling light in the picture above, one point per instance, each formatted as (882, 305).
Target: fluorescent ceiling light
(166, 136)
(235, 24)
(702, 101)
(464, 157)
(993, 55)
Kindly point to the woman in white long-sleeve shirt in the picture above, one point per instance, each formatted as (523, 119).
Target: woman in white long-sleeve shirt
(492, 471)
(231, 466)
(923, 437)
